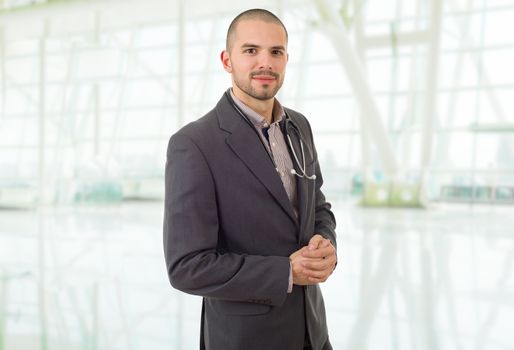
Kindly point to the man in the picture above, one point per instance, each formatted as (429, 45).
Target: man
(246, 225)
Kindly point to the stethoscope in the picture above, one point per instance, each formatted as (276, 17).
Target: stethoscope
(288, 125)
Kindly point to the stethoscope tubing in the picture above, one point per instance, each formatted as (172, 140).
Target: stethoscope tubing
(301, 166)
(288, 121)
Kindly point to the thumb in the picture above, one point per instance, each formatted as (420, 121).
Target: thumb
(315, 241)
(325, 243)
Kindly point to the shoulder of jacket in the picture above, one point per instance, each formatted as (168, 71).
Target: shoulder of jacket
(297, 117)
(201, 127)
(300, 121)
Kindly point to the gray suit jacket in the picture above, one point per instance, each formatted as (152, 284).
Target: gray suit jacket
(229, 229)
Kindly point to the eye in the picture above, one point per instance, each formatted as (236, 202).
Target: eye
(277, 52)
(250, 51)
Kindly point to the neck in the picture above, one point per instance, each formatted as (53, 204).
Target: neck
(263, 107)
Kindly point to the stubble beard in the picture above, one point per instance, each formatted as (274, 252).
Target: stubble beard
(267, 92)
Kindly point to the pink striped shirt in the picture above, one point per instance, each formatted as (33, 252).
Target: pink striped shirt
(276, 145)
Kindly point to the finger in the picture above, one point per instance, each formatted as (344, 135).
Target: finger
(315, 274)
(317, 265)
(297, 253)
(316, 280)
(326, 243)
(328, 270)
(315, 241)
(318, 277)
(320, 252)
(315, 271)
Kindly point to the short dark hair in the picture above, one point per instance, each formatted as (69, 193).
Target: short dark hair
(259, 14)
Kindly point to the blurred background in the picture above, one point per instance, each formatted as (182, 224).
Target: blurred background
(412, 108)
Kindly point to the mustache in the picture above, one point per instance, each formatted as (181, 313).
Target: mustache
(265, 72)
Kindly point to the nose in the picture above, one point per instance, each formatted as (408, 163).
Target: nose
(265, 61)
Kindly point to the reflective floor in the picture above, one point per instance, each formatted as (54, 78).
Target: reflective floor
(94, 278)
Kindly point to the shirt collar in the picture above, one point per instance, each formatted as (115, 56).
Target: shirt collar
(255, 118)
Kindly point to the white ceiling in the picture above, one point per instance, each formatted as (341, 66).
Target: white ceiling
(64, 17)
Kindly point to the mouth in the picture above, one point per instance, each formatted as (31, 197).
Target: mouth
(267, 77)
(264, 79)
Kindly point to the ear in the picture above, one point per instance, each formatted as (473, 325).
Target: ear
(225, 60)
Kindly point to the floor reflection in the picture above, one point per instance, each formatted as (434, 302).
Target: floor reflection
(94, 278)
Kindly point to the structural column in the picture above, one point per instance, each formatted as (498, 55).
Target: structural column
(431, 90)
(2, 72)
(180, 67)
(42, 190)
(336, 32)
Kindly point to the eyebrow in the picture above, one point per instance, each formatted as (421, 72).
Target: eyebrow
(249, 45)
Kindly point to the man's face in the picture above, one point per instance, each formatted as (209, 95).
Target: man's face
(257, 59)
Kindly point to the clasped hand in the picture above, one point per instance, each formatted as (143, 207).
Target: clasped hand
(313, 263)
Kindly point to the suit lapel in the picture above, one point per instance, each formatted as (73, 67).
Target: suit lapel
(247, 146)
(301, 185)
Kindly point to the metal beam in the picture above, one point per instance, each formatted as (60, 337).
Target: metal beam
(365, 141)
(96, 93)
(180, 63)
(121, 100)
(336, 32)
(302, 62)
(179, 328)
(431, 90)
(3, 91)
(42, 114)
(399, 39)
(3, 308)
(41, 290)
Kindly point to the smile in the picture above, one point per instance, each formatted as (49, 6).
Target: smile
(264, 78)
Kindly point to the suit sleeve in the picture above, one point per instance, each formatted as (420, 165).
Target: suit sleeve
(191, 231)
(324, 222)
